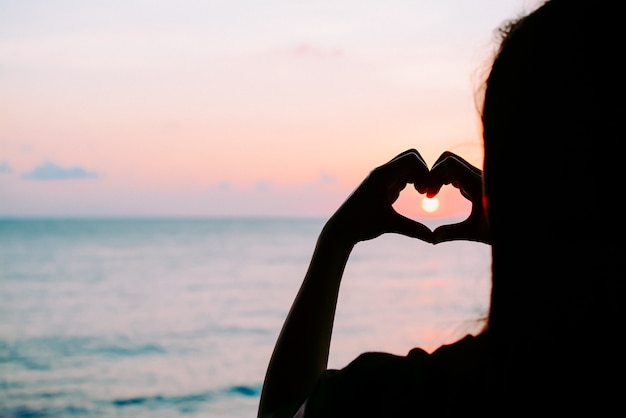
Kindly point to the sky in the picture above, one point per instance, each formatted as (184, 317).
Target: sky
(233, 108)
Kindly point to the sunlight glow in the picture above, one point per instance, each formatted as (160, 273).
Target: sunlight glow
(430, 204)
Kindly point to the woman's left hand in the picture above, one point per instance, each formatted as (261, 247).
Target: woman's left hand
(368, 211)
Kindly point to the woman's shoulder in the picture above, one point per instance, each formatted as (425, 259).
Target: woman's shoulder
(470, 346)
(384, 384)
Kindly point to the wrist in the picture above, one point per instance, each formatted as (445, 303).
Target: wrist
(336, 235)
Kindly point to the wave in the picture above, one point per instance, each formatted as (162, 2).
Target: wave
(39, 353)
(54, 412)
(175, 400)
(184, 403)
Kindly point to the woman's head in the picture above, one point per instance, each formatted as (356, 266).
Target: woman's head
(553, 173)
(551, 117)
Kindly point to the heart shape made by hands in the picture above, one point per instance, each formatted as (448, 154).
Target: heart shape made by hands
(453, 207)
(450, 221)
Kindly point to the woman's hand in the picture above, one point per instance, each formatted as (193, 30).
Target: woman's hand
(368, 211)
(452, 169)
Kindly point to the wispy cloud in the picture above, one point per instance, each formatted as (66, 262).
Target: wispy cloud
(317, 196)
(5, 167)
(326, 178)
(263, 185)
(222, 186)
(51, 171)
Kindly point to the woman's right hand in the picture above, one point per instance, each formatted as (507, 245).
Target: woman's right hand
(452, 169)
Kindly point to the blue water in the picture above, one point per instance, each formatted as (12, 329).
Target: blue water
(178, 317)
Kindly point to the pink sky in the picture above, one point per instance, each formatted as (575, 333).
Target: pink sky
(231, 109)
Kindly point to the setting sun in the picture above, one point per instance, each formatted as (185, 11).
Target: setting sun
(430, 204)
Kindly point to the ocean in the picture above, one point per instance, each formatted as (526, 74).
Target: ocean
(178, 317)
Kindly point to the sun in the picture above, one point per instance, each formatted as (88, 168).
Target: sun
(430, 204)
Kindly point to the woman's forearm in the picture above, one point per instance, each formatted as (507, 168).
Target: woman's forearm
(301, 352)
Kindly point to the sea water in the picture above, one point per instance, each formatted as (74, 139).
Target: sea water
(178, 317)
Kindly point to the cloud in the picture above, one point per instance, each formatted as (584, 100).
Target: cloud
(5, 167)
(223, 185)
(263, 185)
(326, 178)
(51, 171)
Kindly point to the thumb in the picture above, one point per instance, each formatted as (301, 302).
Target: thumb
(400, 224)
(462, 231)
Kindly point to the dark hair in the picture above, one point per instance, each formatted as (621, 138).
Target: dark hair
(552, 120)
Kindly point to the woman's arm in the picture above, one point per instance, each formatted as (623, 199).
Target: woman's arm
(301, 352)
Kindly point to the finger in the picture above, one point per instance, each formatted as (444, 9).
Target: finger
(448, 154)
(463, 231)
(443, 156)
(467, 230)
(407, 167)
(452, 169)
(455, 171)
(393, 192)
(409, 151)
(402, 225)
(439, 174)
(454, 232)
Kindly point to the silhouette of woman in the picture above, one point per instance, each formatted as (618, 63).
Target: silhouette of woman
(553, 116)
